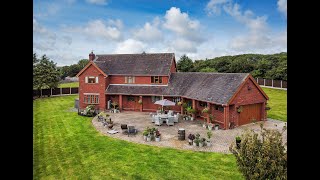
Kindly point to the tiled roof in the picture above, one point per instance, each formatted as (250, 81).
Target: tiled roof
(213, 87)
(135, 64)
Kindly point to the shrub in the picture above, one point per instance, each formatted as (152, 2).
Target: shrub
(261, 156)
(205, 110)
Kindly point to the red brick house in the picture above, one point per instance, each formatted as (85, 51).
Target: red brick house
(128, 78)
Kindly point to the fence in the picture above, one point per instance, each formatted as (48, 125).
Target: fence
(56, 91)
(272, 83)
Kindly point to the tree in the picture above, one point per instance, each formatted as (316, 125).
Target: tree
(184, 64)
(208, 69)
(82, 63)
(261, 157)
(45, 74)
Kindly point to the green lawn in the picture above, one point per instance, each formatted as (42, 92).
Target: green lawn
(278, 103)
(66, 146)
(72, 84)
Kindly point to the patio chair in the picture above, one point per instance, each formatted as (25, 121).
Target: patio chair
(124, 128)
(170, 113)
(154, 118)
(170, 121)
(176, 117)
(132, 130)
(158, 121)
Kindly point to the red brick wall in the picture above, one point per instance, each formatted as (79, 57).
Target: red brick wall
(130, 105)
(148, 105)
(219, 115)
(173, 68)
(138, 80)
(92, 88)
(234, 115)
(246, 96)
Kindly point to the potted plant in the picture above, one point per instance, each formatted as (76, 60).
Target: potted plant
(179, 103)
(239, 109)
(216, 127)
(191, 112)
(149, 137)
(196, 140)
(204, 125)
(145, 134)
(140, 101)
(110, 124)
(205, 110)
(158, 135)
(191, 138)
(152, 133)
(238, 141)
(210, 124)
(209, 134)
(202, 142)
(114, 105)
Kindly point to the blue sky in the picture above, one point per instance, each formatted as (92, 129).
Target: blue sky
(67, 30)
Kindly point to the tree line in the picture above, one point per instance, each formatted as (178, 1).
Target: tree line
(270, 66)
(46, 74)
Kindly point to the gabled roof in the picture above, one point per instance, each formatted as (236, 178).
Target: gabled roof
(135, 64)
(212, 87)
(87, 66)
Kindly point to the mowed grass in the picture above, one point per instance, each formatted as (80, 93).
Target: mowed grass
(66, 146)
(72, 84)
(278, 103)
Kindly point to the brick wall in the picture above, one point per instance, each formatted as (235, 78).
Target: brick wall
(138, 79)
(130, 105)
(92, 88)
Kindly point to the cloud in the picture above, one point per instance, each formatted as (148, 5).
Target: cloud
(98, 2)
(214, 6)
(282, 6)
(130, 46)
(97, 29)
(150, 32)
(184, 45)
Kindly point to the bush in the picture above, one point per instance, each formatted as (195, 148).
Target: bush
(261, 156)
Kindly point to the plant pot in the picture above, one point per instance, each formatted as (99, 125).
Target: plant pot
(191, 118)
(201, 144)
(238, 143)
(210, 128)
(157, 139)
(209, 143)
(110, 126)
(148, 138)
(216, 127)
(204, 125)
(145, 138)
(194, 144)
(190, 141)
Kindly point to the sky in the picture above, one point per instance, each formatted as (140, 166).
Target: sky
(68, 30)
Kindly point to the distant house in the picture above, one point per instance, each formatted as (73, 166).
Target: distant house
(128, 78)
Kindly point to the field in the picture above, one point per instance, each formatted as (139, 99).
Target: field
(66, 146)
(278, 103)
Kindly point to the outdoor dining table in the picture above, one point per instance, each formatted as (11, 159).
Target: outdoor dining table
(163, 117)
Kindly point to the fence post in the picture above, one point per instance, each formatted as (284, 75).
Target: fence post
(40, 92)
(264, 82)
(51, 91)
(60, 91)
(70, 90)
(257, 81)
(281, 83)
(272, 82)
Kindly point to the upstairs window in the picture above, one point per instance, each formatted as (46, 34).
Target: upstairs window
(129, 79)
(91, 79)
(156, 79)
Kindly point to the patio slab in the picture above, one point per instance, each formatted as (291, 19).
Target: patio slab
(220, 140)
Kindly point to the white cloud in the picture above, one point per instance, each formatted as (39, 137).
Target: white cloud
(282, 6)
(98, 29)
(214, 6)
(179, 22)
(184, 45)
(98, 2)
(130, 46)
(149, 32)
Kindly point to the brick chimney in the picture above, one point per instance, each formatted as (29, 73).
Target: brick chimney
(91, 56)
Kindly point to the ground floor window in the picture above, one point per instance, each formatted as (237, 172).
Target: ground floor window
(176, 99)
(130, 98)
(155, 98)
(219, 108)
(202, 104)
(91, 99)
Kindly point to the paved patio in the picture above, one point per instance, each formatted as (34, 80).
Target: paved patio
(220, 140)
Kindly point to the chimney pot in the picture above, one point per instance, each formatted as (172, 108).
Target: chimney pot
(91, 56)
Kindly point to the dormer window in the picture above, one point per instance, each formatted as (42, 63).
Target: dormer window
(156, 79)
(129, 79)
(91, 79)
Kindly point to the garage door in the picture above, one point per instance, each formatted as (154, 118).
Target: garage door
(250, 112)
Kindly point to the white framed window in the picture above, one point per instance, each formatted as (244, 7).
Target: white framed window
(91, 79)
(156, 79)
(129, 79)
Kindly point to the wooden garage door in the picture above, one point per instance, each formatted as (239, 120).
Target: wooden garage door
(249, 112)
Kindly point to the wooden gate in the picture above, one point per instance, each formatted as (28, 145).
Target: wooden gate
(249, 113)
